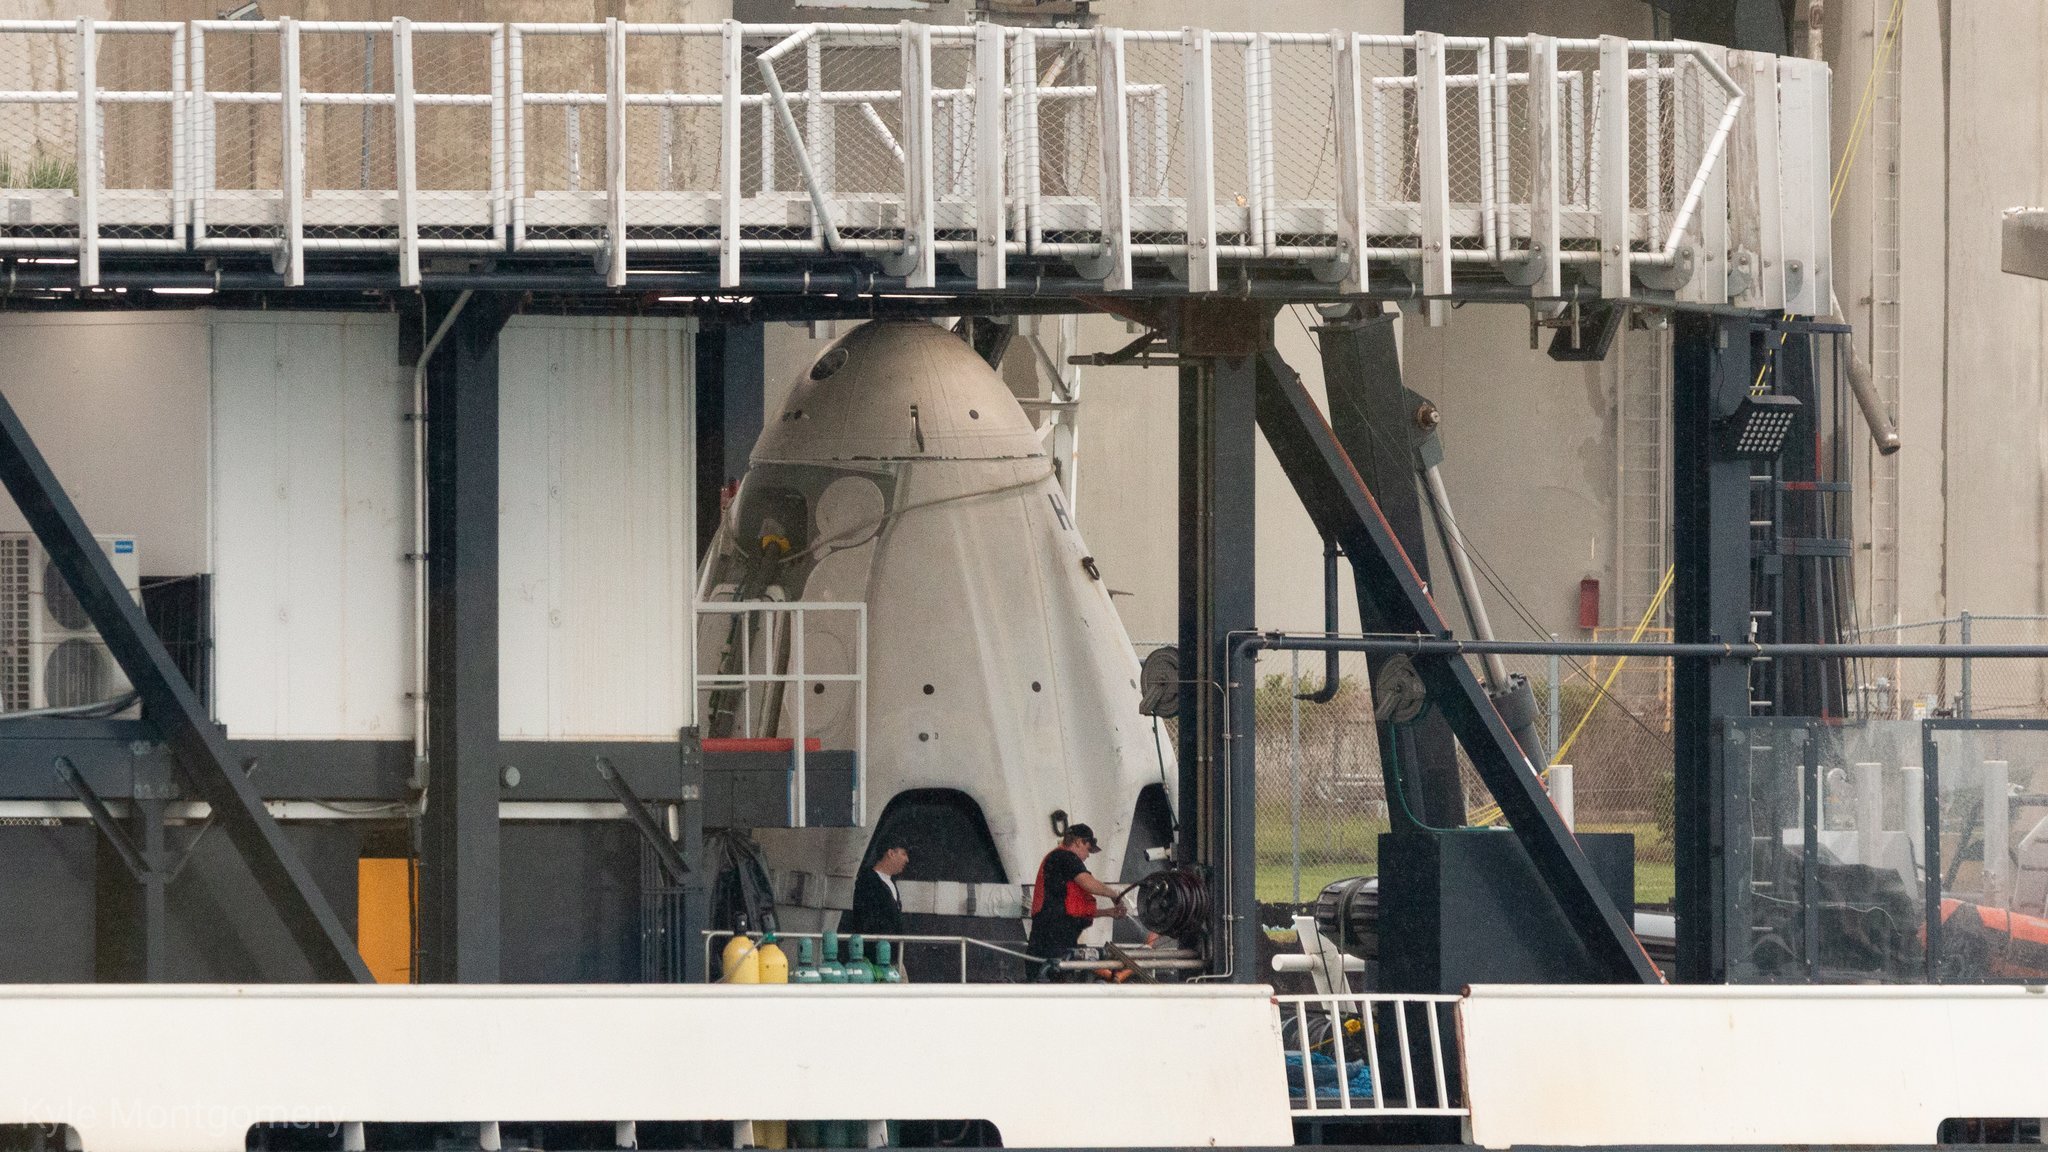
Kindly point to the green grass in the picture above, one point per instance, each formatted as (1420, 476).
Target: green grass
(1335, 852)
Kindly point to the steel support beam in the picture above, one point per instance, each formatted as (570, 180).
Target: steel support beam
(169, 704)
(1341, 507)
(1373, 417)
(459, 855)
(731, 365)
(1218, 459)
(1712, 368)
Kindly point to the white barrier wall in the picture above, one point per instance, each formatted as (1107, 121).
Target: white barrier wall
(1714, 1066)
(188, 1069)
(597, 527)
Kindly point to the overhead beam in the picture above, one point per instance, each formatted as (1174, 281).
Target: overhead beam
(169, 704)
(1339, 503)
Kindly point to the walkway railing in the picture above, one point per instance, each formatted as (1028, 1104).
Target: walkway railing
(1654, 166)
(1371, 1055)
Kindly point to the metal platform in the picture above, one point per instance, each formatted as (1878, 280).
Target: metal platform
(980, 158)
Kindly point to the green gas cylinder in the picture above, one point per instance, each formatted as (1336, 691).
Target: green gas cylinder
(858, 969)
(886, 969)
(830, 970)
(806, 970)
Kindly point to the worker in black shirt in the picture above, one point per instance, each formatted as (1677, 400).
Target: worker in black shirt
(877, 906)
(1063, 900)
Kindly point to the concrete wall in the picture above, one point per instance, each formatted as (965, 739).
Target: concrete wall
(1971, 406)
(144, 472)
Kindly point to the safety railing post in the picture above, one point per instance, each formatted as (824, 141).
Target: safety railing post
(729, 156)
(1198, 113)
(292, 182)
(1258, 96)
(1490, 223)
(991, 212)
(1612, 97)
(199, 110)
(1433, 148)
(1112, 105)
(1350, 120)
(405, 153)
(181, 191)
(615, 151)
(919, 232)
(499, 209)
(88, 168)
(1024, 77)
(515, 132)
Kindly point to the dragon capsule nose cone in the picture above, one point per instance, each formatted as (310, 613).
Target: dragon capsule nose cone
(898, 390)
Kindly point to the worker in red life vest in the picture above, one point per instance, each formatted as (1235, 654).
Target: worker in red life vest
(1063, 900)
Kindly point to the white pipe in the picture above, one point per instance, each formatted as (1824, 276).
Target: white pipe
(419, 539)
(1461, 571)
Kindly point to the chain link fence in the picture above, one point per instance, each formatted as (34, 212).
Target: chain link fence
(1323, 798)
(1960, 687)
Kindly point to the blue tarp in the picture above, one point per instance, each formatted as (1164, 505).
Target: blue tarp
(1324, 1069)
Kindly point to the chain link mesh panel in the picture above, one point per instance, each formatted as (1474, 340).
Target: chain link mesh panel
(1323, 799)
(458, 136)
(241, 134)
(1393, 162)
(137, 75)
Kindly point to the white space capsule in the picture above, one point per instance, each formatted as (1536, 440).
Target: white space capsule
(1002, 688)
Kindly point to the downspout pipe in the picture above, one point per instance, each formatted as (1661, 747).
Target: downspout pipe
(1328, 691)
(419, 538)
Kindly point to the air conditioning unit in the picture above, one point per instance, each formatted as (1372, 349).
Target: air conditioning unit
(50, 654)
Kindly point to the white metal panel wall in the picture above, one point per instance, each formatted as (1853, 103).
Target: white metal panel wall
(312, 520)
(597, 536)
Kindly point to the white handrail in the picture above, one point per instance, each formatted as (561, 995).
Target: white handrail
(1111, 197)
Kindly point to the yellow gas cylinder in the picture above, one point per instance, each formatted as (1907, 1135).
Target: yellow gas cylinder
(774, 962)
(740, 963)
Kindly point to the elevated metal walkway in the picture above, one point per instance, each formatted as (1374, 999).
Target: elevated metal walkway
(978, 158)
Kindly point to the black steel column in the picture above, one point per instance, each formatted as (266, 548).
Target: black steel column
(1218, 458)
(459, 858)
(1711, 372)
(731, 363)
(131, 932)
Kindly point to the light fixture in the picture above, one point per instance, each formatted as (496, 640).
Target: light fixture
(1757, 429)
(182, 291)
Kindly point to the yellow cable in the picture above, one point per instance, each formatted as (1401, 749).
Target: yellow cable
(1865, 104)
(1840, 182)
(1492, 812)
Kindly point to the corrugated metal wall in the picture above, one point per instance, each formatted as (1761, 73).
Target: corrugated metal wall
(597, 501)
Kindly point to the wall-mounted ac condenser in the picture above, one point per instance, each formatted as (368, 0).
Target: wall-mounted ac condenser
(50, 654)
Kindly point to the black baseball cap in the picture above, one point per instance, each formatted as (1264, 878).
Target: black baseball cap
(1084, 833)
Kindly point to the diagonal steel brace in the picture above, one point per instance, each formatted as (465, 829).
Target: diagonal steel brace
(1343, 508)
(169, 705)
